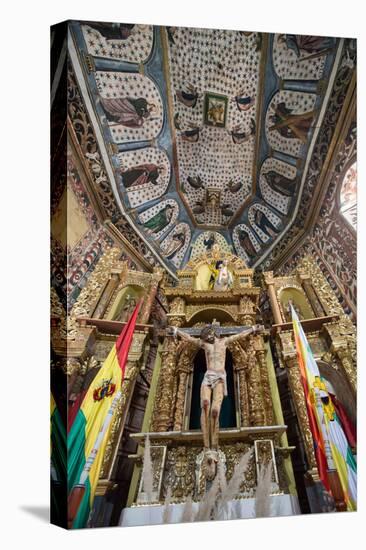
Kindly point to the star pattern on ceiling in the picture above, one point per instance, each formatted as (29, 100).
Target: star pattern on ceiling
(207, 131)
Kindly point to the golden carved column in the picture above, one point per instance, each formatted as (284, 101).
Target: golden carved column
(256, 401)
(268, 279)
(266, 390)
(240, 361)
(342, 343)
(244, 401)
(150, 297)
(298, 396)
(247, 311)
(346, 361)
(179, 405)
(163, 402)
(185, 366)
(106, 295)
(311, 294)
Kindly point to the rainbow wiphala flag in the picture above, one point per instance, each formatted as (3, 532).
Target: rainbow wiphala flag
(327, 431)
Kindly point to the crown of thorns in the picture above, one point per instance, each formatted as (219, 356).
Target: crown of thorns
(207, 330)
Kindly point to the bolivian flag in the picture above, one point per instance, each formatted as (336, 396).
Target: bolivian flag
(91, 417)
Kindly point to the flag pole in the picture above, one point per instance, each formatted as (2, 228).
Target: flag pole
(78, 490)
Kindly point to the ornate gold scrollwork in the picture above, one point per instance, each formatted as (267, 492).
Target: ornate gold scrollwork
(186, 353)
(163, 401)
(294, 376)
(179, 472)
(240, 360)
(256, 401)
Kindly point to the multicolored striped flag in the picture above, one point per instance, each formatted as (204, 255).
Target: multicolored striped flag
(307, 370)
(58, 466)
(324, 422)
(88, 436)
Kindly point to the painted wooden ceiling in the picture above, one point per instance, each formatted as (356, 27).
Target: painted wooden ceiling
(206, 135)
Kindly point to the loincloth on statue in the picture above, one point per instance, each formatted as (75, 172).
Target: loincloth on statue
(212, 378)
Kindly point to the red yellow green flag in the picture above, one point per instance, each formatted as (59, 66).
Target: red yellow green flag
(90, 419)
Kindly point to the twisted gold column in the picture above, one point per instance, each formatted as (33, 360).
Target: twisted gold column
(312, 297)
(106, 296)
(256, 401)
(268, 279)
(261, 355)
(163, 403)
(181, 395)
(298, 396)
(348, 367)
(150, 297)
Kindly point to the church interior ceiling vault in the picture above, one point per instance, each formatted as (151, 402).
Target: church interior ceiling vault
(207, 136)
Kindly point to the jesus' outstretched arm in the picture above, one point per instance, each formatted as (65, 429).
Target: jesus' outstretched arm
(244, 333)
(175, 331)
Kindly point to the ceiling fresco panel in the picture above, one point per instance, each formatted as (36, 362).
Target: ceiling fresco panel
(245, 243)
(121, 41)
(277, 183)
(265, 223)
(157, 220)
(301, 57)
(145, 174)
(213, 82)
(132, 105)
(206, 241)
(290, 116)
(206, 132)
(175, 245)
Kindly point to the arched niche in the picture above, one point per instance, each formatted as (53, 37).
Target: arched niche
(228, 408)
(207, 314)
(299, 300)
(134, 291)
(206, 273)
(341, 387)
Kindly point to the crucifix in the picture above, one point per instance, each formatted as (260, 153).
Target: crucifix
(213, 387)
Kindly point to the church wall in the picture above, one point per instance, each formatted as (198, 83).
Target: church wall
(333, 241)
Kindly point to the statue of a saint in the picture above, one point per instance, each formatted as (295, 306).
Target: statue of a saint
(214, 382)
(224, 280)
(288, 313)
(127, 309)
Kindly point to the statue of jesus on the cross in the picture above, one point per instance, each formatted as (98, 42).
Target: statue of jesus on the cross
(214, 381)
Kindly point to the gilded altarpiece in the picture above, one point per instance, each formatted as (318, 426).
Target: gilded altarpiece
(257, 426)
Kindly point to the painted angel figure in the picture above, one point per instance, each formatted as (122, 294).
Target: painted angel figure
(159, 221)
(128, 111)
(142, 174)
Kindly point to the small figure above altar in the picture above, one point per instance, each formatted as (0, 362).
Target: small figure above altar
(224, 279)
